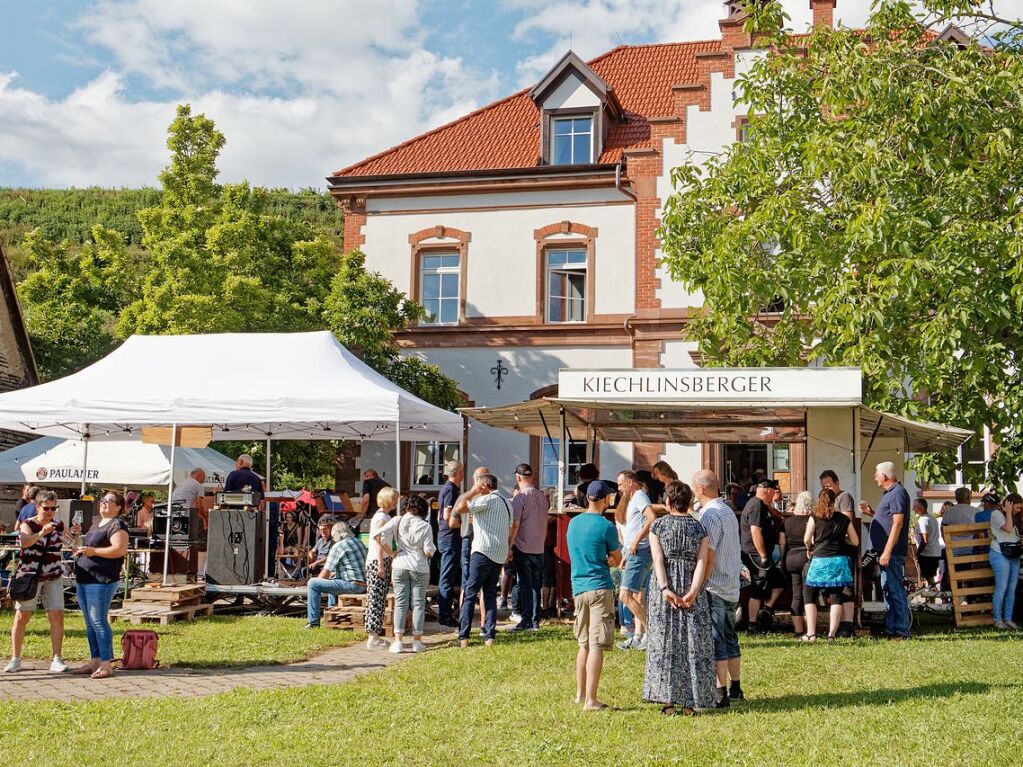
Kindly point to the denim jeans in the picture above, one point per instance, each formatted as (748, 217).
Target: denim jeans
(466, 554)
(95, 599)
(529, 572)
(1006, 578)
(317, 587)
(409, 585)
(896, 620)
(722, 624)
(484, 575)
(450, 556)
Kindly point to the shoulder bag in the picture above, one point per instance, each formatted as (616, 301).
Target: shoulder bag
(24, 587)
(1011, 549)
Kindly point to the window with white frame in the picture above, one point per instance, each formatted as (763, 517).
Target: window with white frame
(566, 285)
(428, 459)
(440, 278)
(575, 457)
(972, 458)
(572, 140)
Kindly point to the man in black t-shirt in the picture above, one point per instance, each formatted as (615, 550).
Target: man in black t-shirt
(758, 535)
(243, 477)
(371, 485)
(449, 543)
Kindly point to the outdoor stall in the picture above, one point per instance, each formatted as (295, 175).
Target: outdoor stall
(206, 387)
(819, 410)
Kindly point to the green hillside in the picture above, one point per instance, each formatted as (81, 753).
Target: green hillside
(69, 214)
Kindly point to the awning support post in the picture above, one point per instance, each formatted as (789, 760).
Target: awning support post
(85, 459)
(561, 462)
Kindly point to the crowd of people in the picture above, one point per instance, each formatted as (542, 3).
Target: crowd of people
(668, 569)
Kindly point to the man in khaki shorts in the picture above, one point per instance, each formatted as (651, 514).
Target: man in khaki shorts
(594, 549)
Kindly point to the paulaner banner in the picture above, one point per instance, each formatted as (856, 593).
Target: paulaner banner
(760, 385)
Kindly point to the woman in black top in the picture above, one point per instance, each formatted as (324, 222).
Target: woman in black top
(793, 556)
(827, 537)
(97, 572)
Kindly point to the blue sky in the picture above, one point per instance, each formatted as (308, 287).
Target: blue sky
(300, 87)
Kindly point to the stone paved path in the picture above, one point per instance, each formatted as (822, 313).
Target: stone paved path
(331, 667)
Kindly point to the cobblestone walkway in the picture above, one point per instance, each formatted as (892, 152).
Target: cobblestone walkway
(331, 667)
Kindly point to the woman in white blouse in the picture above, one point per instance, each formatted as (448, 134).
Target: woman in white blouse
(378, 566)
(411, 569)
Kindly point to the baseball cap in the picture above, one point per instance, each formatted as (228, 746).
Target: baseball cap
(990, 498)
(597, 490)
(770, 484)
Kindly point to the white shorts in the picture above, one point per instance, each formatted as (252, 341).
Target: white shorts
(50, 593)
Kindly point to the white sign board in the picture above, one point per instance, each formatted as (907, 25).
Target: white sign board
(836, 386)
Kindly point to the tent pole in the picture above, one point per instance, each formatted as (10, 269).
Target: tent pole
(85, 459)
(170, 494)
(269, 484)
(397, 455)
(561, 462)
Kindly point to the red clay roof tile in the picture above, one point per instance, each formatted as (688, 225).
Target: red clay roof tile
(506, 134)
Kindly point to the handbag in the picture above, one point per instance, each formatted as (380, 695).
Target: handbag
(23, 588)
(1011, 549)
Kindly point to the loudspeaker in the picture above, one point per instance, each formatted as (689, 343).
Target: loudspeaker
(184, 560)
(236, 547)
(185, 523)
(67, 509)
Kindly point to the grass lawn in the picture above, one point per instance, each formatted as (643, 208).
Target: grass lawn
(215, 641)
(938, 700)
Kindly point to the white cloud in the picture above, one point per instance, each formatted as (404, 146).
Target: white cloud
(299, 89)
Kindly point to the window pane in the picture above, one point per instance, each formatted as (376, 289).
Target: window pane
(562, 150)
(557, 311)
(575, 311)
(431, 286)
(432, 307)
(576, 286)
(581, 149)
(562, 127)
(450, 262)
(431, 262)
(449, 311)
(576, 257)
(556, 257)
(449, 285)
(582, 125)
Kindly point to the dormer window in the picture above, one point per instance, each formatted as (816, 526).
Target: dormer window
(577, 111)
(572, 142)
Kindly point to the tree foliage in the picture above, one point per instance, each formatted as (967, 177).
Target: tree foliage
(872, 217)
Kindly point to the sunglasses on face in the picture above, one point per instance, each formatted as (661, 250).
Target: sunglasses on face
(48, 508)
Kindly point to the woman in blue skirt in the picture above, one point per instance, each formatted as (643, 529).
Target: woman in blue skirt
(827, 536)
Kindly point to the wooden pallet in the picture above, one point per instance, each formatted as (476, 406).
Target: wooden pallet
(970, 573)
(185, 593)
(350, 612)
(137, 614)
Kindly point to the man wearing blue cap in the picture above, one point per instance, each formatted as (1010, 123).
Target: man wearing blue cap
(594, 549)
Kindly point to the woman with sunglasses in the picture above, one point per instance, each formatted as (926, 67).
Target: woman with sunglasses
(41, 538)
(98, 571)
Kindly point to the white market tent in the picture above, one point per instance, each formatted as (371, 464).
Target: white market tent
(55, 462)
(224, 383)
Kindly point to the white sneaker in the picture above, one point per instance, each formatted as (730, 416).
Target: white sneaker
(515, 618)
(396, 647)
(641, 644)
(629, 643)
(418, 647)
(58, 666)
(14, 664)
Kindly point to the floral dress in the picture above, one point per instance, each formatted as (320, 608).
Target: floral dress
(680, 647)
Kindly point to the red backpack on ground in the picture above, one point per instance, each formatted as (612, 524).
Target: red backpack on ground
(139, 648)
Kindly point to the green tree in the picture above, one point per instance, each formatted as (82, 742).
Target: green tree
(220, 259)
(872, 217)
(72, 298)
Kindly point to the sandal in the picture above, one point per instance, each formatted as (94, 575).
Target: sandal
(668, 710)
(83, 670)
(808, 638)
(832, 639)
(102, 673)
(688, 712)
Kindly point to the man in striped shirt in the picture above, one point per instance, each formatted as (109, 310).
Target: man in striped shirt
(722, 583)
(344, 572)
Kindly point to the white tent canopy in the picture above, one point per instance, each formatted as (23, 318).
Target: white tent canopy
(225, 381)
(53, 462)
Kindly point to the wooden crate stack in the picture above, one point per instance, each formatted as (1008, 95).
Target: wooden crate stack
(165, 604)
(350, 612)
(970, 573)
